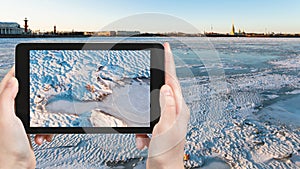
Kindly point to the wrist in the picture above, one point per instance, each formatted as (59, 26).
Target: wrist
(157, 163)
(19, 165)
(171, 159)
(26, 165)
(12, 162)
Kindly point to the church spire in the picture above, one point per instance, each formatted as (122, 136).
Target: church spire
(232, 29)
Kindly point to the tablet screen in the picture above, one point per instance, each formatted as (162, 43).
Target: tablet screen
(89, 88)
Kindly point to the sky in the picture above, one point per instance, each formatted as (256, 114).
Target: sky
(205, 15)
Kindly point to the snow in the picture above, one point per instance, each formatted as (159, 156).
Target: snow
(290, 63)
(284, 112)
(251, 124)
(98, 83)
(102, 119)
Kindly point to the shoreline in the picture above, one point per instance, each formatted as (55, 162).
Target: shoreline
(44, 36)
(150, 35)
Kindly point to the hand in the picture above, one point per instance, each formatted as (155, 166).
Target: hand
(16, 150)
(166, 148)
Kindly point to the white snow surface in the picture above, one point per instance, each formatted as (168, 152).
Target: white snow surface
(233, 128)
(89, 88)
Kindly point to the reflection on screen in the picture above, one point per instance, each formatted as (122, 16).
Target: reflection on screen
(90, 88)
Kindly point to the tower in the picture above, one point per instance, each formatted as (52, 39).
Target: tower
(26, 25)
(54, 29)
(232, 30)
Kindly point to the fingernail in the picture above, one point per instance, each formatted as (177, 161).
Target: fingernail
(167, 91)
(49, 138)
(167, 46)
(41, 140)
(9, 83)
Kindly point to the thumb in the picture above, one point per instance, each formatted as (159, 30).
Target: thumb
(7, 97)
(168, 106)
(169, 132)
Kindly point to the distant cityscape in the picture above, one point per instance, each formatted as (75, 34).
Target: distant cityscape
(13, 29)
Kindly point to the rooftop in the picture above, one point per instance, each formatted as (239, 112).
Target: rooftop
(9, 24)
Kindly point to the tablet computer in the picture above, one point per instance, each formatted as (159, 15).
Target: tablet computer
(89, 87)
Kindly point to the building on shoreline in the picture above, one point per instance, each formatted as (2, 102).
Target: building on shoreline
(14, 30)
(11, 28)
(233, 31)
(101, 33)
(112, 33)
(127, 33)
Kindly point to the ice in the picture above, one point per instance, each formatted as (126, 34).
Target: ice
(75, 107)
(293, 92)
(244, 133)
(291, 63)
(102, 119)
(88, 151)
(77, 82)
(241, 132)
(284, 112)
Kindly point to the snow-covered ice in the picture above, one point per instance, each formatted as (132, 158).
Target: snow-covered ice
(87, 88)
(251, 124)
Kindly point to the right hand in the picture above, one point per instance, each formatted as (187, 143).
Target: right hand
(166, 148)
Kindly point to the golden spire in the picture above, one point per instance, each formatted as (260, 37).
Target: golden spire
(232, 29)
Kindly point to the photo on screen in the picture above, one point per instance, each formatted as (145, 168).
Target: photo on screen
(89, 88)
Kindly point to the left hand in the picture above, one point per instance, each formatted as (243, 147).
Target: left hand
(16, 149)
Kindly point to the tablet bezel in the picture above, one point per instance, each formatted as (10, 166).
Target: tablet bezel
(157, 79)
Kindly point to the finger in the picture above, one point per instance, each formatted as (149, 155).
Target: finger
(168, 107)
(49, 137)
(7, 98)
(8, 76)
(39, 139)
(141, 135)
(170, 76)
(142, 140)
(170, 132)
(169, 63)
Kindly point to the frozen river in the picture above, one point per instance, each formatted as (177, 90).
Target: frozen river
(243, 94)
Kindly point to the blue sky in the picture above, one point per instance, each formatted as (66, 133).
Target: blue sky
(252, 16)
